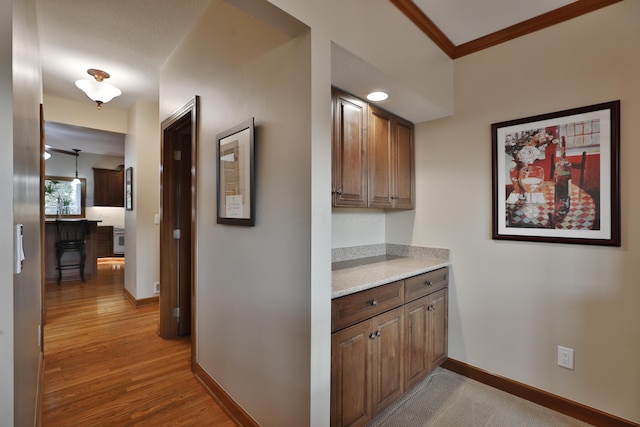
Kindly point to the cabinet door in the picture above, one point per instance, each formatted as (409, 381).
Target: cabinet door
(379, 144)
(349, 151)
(104, 237)
(438, 328)
(417, 361)
(116, 189)
(387, 338)
(101, 185)
(108, 187)
(351, 369)
(403, 165)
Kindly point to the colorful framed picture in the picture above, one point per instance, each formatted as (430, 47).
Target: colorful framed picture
(556, 177)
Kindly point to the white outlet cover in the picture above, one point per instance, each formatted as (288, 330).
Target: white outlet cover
(565, 357)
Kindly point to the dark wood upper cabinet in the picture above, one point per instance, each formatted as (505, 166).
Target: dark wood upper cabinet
(349, 185)
(403, 166)
(108, 187)
(379, 147)
(373, 156)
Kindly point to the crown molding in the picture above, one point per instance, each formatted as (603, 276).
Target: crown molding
(426, 25)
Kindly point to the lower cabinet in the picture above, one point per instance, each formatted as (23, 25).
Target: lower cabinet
(426, 326)
(104, 234)
(366, 368)
(376, 360)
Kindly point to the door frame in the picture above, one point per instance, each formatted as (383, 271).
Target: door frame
(188, 110)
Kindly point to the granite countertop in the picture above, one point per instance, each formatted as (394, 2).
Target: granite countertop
(396, 263)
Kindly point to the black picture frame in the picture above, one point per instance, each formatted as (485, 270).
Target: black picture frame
(590, 214)
(235, 180)
(128, 189)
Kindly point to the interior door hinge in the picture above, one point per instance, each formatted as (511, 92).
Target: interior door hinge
(176, 312)
(176, 234)
(177, 155)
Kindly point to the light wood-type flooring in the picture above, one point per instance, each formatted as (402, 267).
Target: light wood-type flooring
(105, 365)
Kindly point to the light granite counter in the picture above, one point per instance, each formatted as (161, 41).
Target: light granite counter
(375, 265)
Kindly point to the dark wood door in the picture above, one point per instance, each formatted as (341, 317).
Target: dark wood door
(379, 145)
(388, 363)
(351, 370)
(177, 225)
(349, 150)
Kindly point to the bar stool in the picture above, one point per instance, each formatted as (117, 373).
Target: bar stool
(71, 237)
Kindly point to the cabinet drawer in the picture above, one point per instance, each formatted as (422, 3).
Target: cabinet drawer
(424, 284)
(351, 309)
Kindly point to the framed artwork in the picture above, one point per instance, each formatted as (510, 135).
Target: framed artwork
(556, 177)
(128, 189)
(236, 177)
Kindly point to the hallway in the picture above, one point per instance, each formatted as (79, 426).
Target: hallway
(105, 365)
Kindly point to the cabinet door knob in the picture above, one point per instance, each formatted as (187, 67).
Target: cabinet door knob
(374, 303)
(375, 335)
(431, 307)
(338, 191)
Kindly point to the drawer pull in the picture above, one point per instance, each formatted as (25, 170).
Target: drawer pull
(374, 303)
(428, 283)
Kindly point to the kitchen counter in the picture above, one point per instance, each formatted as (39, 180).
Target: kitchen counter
(382, 265)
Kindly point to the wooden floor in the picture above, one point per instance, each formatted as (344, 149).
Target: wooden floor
(105, 365)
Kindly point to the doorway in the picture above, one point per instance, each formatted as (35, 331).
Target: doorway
(177, 223)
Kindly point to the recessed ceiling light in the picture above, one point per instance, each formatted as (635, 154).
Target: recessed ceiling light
(377, 96)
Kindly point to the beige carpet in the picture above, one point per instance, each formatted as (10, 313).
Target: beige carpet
(446, 399)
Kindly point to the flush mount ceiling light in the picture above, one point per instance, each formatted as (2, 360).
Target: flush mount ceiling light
(377, 96)
(97, 90)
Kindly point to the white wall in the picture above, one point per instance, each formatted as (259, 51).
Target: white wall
(357, 227)
(6, 211)
(84, 114)
(513, 303)
(425, 70)
(20, 294)
(253, 283)
(142, 239)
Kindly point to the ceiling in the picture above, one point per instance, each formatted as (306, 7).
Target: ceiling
(132, 39)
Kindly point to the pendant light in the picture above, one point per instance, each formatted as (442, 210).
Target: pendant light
(76, 180)
(97, 90)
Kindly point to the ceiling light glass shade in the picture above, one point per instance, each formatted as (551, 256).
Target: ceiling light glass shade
(98, 92)
(377, 96)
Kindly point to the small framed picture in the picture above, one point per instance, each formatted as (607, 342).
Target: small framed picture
(128, 189)
(236, 175)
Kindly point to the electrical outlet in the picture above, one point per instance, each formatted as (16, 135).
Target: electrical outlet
(156, 287)
(565, 357)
